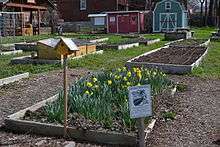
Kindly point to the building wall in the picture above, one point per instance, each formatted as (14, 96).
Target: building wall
(69, 10)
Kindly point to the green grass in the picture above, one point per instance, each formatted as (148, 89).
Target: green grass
(210, 67)
(10, 70)
(111, 59)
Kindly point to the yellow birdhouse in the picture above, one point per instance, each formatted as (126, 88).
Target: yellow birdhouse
(66, 47)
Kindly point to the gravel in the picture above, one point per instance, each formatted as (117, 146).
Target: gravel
(196, 123)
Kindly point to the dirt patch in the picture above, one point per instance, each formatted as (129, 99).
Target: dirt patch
(174, 55)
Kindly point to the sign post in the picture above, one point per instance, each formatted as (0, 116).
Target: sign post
(66, 47)
(140, 105)
(65, 93)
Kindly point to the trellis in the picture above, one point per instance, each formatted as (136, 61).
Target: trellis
(11, 23)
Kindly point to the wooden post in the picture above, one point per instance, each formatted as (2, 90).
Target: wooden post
(65, 93)
(141, 133)
(38, 19)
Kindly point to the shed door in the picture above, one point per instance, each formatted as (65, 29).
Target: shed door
(133, 27)
(123, 24)
(112, 24)
(168, 22)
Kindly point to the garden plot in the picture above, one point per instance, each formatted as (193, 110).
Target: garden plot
(189, 43)
(128, 43)
(8, 50)
(172, 60)
(98, 108)
(26, 46)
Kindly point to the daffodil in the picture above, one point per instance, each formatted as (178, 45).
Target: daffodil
(139, 75)
(128, 84)
(134, 69)
(139, 84)
(94, 80)
(129, 74)
(117, 77)
(109, 82)
(124, 69)
(96, 86)
(119, 69)
(89, 84)
(125, 78)
(87, 92)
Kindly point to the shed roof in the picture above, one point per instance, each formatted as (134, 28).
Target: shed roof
(97, 15)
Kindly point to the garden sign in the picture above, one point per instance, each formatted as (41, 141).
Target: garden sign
(140, 105)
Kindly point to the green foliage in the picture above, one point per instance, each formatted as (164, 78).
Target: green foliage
(169, 115)
(55, 110)
(181, 87)
(103, 97)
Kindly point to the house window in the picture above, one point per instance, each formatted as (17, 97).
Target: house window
(82, 4)
(168, 5)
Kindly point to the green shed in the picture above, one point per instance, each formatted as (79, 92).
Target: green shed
(169, 15)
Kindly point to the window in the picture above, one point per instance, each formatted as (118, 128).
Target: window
(99, 21)
(82, 4)
(168, 5)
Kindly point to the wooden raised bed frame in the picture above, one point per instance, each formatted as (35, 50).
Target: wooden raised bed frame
(14, 123)
(167, 68)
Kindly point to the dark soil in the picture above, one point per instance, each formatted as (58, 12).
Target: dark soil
(174, 55)
(188, 43)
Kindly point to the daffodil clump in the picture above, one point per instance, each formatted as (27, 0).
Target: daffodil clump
(104, 97)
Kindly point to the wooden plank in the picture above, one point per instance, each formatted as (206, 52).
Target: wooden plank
(25, 6)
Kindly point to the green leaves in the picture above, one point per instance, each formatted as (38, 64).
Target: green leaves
(103, 97)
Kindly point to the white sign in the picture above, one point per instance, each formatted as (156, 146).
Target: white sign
(112, 19)
(140, 102)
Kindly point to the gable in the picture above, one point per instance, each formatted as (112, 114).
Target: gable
(175, 5)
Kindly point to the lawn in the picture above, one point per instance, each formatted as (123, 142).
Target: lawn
(111, 59)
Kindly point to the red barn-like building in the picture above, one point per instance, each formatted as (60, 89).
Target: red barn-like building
(78, 10)
(126, 21)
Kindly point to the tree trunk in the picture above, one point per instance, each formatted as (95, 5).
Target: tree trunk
(201, 14)
(206, 12)
(210, 13)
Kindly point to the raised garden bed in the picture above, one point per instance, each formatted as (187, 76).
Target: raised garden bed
(172, 60)
(178, 35)
(128, 44)
(12, 79)
(11, 52)
(99, 40)
(98, 108)
(26, 46)
(189, 43)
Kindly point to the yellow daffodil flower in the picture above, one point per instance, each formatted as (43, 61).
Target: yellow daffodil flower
(87, 92)
(129, 74)
(89, 84)
(94, 80)
(109, 82)
(125, 78)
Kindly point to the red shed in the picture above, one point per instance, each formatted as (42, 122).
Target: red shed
(126, 21)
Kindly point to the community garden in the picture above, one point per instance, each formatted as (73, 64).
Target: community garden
(98, 109)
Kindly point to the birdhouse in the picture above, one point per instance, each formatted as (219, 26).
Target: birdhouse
(66, 47)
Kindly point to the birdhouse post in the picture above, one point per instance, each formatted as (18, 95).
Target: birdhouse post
(66, 47)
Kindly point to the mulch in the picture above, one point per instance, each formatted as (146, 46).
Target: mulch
(174, 55)
(196, 123)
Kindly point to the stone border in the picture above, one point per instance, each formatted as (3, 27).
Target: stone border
(118, 47)
(11, 52)
(167, 68)
(29, 60)
(12, 79)
(14, 123)
(99, 40)
(149, 42)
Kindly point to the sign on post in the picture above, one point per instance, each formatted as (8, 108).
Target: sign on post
(140, 101)
(140, 104)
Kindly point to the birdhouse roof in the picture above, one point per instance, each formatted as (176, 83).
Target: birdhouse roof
(69, 43)
(51, 42)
